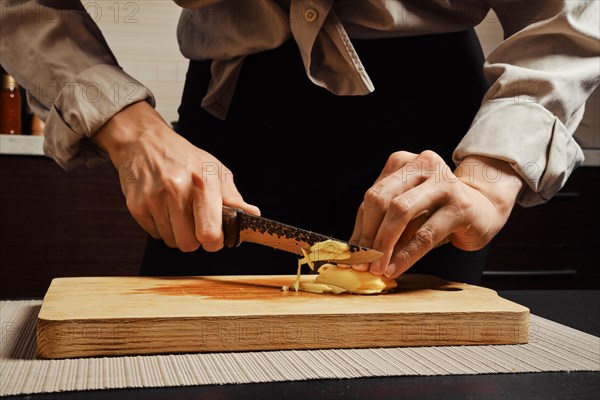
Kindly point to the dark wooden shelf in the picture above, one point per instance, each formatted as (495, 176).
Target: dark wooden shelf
(57, 223)
(554, 245)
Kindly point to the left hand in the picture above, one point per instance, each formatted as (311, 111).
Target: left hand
(418, 203)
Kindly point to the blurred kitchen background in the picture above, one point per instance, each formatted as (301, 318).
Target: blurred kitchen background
(54, 223)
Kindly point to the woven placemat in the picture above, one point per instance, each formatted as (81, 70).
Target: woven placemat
(552, 347)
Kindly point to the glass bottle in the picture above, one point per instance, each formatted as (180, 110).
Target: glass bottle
(37, 126)
(10, 107)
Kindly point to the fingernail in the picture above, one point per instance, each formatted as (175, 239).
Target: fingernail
(376, 268)
(344, 265)
(360, 267)
(390, 270)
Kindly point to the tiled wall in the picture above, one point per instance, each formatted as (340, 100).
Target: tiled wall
(142, 35)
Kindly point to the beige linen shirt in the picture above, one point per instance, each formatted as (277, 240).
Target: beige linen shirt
(541, 74)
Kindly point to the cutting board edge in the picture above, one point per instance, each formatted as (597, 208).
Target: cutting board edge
(83, 337)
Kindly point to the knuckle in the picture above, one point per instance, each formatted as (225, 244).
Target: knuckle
(144, 219)
(455, 210)
(425, 237)
(212, 246)
(199, 180)
(374, 197)
(366, 238)
(403, 257)
(135, 208)
(169, 242)
(429, 155)
(188, 245)
(175, 185)
(396, 160)
(430, 161)
(401, 205)
(150, 229)
(207, 232)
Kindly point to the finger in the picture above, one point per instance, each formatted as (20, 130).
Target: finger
(357, 267)
(378, 200)
(434, 231)
(361, 267)
(141, 215)
(246, 207)
(208, 213)
(364, 235)
(444, 241)
(395, 162)
(355, 239)
(145, 220)
(404, 208)
(159, 212)
(162, 221)
(358, 224)
(230, 194)
(233, 198)
(183, 225)
(411, 228)
(373, 209)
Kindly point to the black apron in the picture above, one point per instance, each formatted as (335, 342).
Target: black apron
(306, 157)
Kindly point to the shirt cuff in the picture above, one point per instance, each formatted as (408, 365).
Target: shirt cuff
(531, 139)
(82, 107)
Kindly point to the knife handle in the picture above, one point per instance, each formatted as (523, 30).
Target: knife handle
(231, 226)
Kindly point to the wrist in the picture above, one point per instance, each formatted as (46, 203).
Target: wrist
(494, 178)
(125, 128)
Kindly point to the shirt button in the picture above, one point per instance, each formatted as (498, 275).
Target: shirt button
(311, 15)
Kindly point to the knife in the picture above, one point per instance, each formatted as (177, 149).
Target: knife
(239, 227)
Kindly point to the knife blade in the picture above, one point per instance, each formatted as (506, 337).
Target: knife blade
(239, 227)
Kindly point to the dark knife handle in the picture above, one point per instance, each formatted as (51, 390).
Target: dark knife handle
(231, 226)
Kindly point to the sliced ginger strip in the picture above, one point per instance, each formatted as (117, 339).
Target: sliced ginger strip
(315, 287)
(327, 250)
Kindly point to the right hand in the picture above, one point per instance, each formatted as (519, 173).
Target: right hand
(173, 189)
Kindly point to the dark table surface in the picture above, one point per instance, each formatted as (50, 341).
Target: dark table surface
(579, 309)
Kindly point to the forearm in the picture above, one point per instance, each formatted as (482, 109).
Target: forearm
(73, 82)
(541, 77)
(45, 47)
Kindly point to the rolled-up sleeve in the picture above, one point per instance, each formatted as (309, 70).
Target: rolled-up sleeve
(541, 75)
(73, 82)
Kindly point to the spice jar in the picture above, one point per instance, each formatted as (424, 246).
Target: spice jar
(10, 107)
(37, 126)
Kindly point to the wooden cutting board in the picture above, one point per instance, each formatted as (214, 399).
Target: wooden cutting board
(110, 316)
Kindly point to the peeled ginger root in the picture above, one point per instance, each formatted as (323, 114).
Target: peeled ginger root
(352, 281)
(326, 250)
(333, 279)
